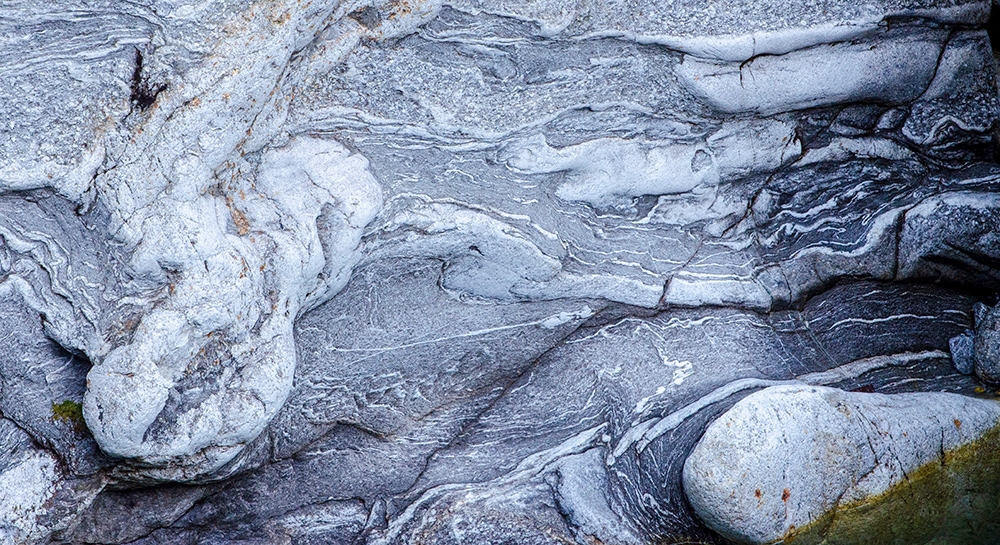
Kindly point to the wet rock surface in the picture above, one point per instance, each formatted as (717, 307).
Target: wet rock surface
(474, 271)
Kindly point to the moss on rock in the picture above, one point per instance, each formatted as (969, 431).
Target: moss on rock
(954, 501)
(71, 412)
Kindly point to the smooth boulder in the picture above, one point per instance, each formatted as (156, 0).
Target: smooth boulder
(788, 456)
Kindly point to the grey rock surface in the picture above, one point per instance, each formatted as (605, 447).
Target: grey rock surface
(465, 271)
(963, 353)
(987, 351)
(977, 350)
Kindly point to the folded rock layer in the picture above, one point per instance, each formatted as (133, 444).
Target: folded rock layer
(464, 271)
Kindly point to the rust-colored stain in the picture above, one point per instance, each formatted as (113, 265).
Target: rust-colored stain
(785, 494)
(281, 19)
(958, 424)
(400, 9)
(239, 218)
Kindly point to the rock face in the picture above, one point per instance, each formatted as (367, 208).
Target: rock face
(428, 271)
(784, 457)
(978, 350)
(986, 346)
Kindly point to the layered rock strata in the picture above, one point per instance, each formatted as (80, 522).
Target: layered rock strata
(464, 271)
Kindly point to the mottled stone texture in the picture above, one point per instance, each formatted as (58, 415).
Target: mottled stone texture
(468, 271)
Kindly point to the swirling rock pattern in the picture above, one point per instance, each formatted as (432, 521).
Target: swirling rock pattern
(468, 271)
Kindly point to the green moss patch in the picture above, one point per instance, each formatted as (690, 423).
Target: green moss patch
(71, 412)
(954, 501)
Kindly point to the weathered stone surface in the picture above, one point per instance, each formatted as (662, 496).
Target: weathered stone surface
(962, 350)
(801, 79)
(952, 236)
(465, 271)
(987, 347)
(29, 477)
(979, 350)
(784, 457)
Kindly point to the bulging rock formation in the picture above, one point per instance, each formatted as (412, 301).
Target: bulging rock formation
(790, 457)
(467, 271)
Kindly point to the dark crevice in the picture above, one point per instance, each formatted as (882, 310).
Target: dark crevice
(993, 30)
(143, 93)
